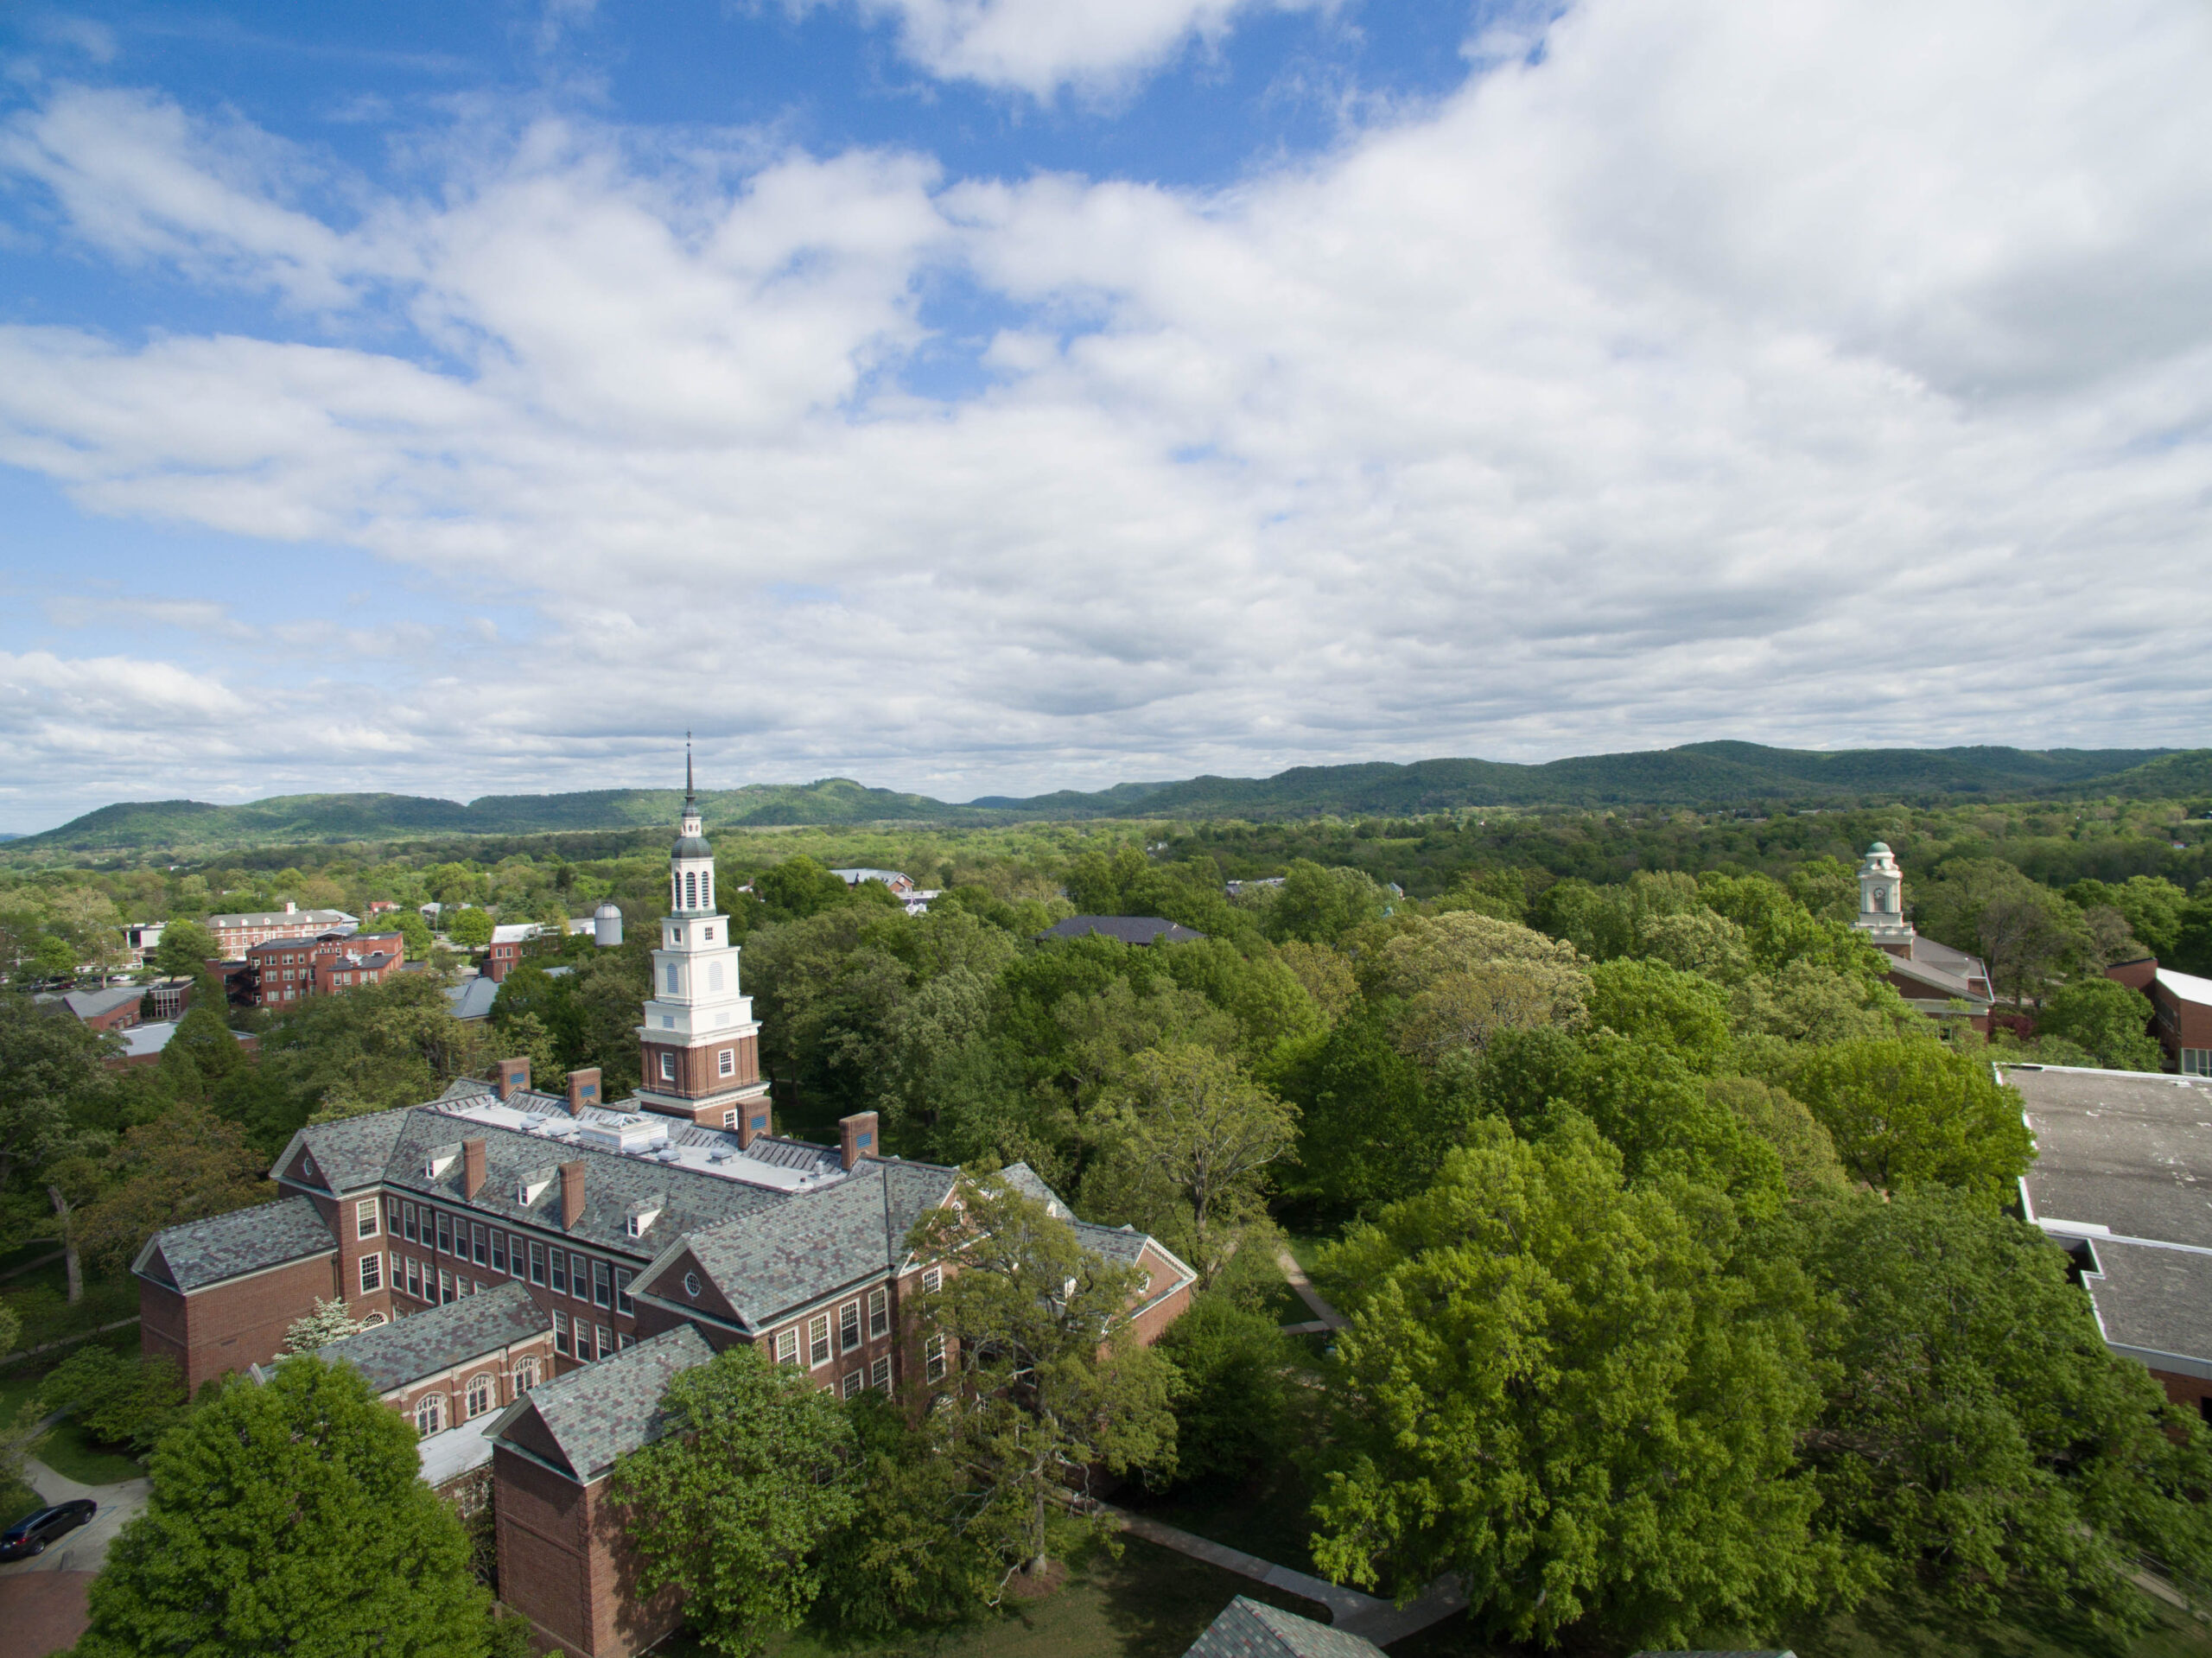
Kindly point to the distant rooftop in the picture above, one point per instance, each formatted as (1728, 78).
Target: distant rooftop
(2125, 1153)
(1129, 928)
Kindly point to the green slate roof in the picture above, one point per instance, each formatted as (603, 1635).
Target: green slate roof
(395, 1355)
(609, 1409)
(245, 1241)
(1246, 1629)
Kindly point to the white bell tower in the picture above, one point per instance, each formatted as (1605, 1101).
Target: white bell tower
(1881, 900)
(701, 1044)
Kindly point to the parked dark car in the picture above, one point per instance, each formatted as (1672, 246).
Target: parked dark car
(31, 1535)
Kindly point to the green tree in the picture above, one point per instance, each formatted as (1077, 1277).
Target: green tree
(123, 1399)
(184, 1165)
(185, 950)
(2105, 1020)
(415, 934)
(384, 1045)
(912, 1553)
(1682, 1012)
(733, 1504)
(1582, 1396)
(1809, 1164)
(1232, 1397)
(2025, 931)
(1463, 978)
(1045, 1380)
(1912, 1113)
(1372, 1130)
(1978, 1436)
(1187, 1146)
(471, 928)
(799, 887)
(1318, 905)
(290, 1517)
(54, 1082)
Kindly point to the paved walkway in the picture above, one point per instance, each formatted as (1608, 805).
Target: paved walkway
(84, 1549)
(1329, 1317)
(1379, 1621)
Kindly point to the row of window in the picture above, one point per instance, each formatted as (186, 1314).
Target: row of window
(564, 1272)
(481, 1397)
(576, 1338)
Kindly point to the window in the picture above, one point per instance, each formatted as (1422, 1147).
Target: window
(445, 1233)
(879, 1312)
(879, 1376)
(526, 1374)
(730, 1118)
(445, 1287)
(691, 1285)
(622, 1301)
(849, 1326)
(667, 1066)
(407, 1220)
(2196, 1062)
(538, 1263)
(415, 1278)
(933, 1357)
(602, 1283)
(372, 1273)
(499, 1252)
(560, 1332)
(726, 1063)
(429, 1413)
(514, 1256)
(628, 1341)
(933, 1279)
(817, 1341)
(364, 1218)
(787, 1346)
(606, 1343)
(372, 1320)
(479, 1394)
(668, 978)
(481, 1253)
(855, 1383)
(560, 1271)
(707, 932)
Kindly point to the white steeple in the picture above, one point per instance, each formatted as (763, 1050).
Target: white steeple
(1881, 898)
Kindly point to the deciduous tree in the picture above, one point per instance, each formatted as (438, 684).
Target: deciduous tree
(1911, 1112)
(2105, 1020)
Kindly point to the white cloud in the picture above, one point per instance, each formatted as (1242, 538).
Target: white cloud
(1820, 374)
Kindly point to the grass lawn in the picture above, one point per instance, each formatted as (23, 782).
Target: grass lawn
(1149, 1603)
(1901, 1626)
(68, 1449)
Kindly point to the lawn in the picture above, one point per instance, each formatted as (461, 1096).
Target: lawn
(1149, 1603)
(68, 1449)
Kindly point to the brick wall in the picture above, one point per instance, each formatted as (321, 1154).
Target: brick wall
(698, 1071)
(565, 1563)
(229, 1326)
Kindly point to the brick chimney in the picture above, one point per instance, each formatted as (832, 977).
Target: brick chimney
(856, 1137)
(584, 1089)
(513, 1078)
(472, 1167)
(572, 1194)
(752, 1122)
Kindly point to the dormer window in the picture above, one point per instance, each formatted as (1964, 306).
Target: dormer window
(531, 1186)
(439, 1158)
(641, 1220)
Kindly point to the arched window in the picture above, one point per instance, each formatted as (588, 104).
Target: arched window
(372, 1321)
(479, 1394)
(690, 889)
(429, 1413)
(526, 1373)
(707, 890)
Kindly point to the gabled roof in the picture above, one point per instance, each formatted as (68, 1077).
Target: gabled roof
(1129, 928)
(92, 1004)
(472, 998)
(1948, 984)
(607, 1410)
(2187, 987)
(394, 1356)
(353, 1152)
(245, 1241)
(1247, 1629)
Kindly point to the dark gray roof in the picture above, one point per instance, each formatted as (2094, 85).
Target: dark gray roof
(2130, 1152)
(2154, 1299)
(91, 1004)
(353, 1152)
(394, 1354)
(1114, 1242)
(818, 1241)
(1247, 1629)
(472, 998)
(244, 1240)
(609, 1409)
(1129, 928)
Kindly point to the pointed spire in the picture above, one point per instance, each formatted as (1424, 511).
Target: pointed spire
(690, 794)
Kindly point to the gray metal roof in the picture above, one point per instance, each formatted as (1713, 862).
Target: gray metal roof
(609, 1409)
(472, 998)
(91, 1004)
(1248, 1629)
(244, 1240)
(1129, 928)
(395, 1355)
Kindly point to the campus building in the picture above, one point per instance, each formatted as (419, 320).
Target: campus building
(1943, 983)
(236, 934)
(283, 972)
(534, 1267)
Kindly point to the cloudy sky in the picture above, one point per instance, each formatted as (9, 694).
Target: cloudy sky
(980, 396)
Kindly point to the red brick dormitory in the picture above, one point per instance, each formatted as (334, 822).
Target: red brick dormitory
(535, 1266)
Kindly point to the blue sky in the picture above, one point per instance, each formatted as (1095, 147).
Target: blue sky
(986, 396)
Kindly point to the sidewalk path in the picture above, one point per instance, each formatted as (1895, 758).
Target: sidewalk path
(1329, 1317)
(1379, 1621)
(84, 1550)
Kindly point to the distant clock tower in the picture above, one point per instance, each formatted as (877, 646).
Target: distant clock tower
(1881, 902)
(701, 1042)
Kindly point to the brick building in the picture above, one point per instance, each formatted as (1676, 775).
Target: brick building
(285, 971)
(113, 1009)
(626, 1231)
(506, 950)
(1944, 984)
(236, 934)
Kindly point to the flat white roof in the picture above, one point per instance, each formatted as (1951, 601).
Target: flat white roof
(702, 1151)
(2187, 986)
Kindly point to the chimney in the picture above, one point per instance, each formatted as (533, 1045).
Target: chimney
(290, 908)
(472, 1167)
(856, 1137)
(584, 1089)
(513, 1078)
(752, 1122)
(572, 1194)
